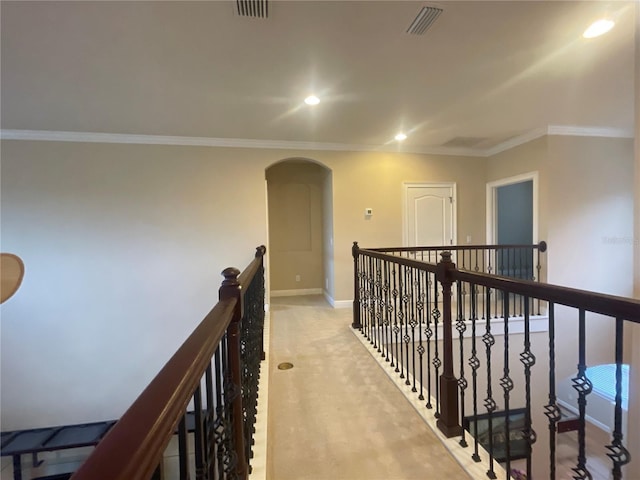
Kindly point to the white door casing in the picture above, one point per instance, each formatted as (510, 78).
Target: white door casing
(492, 236)
(429, 214)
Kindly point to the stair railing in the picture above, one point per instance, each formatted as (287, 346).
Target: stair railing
(440, 327)
(223, 353)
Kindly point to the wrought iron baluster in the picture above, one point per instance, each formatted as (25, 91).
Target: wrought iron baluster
(388, 310)
(528, 359)
(396, 328)
(420, 312)
(461, 327)
(618, 453)
(379, 303)
(474, 363)
(489, 403)
(583, 386)
(551, 410)
(372, 302)
(198, 436)
(183, 448)
(428, 332)
(220, 428)
(437, 363)
(505, 382)
(413, 322)
(210, 449)
(406, 339)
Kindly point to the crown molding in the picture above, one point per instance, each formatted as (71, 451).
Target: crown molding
(578, 131)
(515, 141)
(124, 138)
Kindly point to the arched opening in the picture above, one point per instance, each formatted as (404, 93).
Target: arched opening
(300, 222)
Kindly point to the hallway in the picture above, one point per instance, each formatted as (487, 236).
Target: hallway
(335, 414)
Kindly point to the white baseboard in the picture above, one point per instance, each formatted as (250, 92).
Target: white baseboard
(298, 291)
(337, 303)
(343, 304)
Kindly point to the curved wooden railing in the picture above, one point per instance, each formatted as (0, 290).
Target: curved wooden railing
(134, 447)
(450, 332)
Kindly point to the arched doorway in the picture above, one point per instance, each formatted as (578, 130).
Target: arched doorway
(300, 222)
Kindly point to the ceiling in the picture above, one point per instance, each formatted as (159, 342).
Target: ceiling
(483, 73)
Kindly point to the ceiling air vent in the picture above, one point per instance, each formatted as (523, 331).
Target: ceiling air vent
(253, 8)
(464, 142)
(424, 20)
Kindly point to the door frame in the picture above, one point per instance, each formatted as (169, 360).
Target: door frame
(454, 218)
(492, 204)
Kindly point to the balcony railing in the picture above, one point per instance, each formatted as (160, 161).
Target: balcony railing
(223, 353)
(450, 334)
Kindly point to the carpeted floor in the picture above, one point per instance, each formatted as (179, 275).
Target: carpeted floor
(335, 414)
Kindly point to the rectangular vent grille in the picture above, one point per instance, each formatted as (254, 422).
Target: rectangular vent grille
(464, 142)
(253, 8)
(424, 20)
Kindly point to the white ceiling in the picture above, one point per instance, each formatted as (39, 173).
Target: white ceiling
(486, 70)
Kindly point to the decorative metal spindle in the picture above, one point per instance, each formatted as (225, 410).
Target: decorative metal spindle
(219, 426)
(505, 382)
(583, 386)
(436, 355)
(413, 321)
(618, 454)
(396, 328)
(380, 305)
(538, 273)
(474, 363)
(388, 309)
(520, 275)
(406, 338)
(183, 448)
(528, 359)
(551, 410)
(361, 299)
(461, 327)
(375, 313)
(370, 300)
(421, 322)
(210, 449)
(428, 332)
(489, 403)
(198, 436)
(400, 361)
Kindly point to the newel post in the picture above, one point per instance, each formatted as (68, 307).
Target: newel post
(355, 251)
(448, 422)
(231, 289)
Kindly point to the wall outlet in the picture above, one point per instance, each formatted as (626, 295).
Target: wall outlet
(468, 238)
(368, 211)
(297, 278)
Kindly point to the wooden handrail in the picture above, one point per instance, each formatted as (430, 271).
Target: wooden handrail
(610, 305)
(247, 275)
(133, 448)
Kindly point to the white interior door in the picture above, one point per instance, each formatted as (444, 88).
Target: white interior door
(430, 215)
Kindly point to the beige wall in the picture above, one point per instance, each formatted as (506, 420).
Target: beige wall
(375, 180)
(529, 157)
(296, 218)
(586, 216)
(124, 245)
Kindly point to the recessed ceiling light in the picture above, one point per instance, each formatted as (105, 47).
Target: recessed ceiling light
(599, 27)
(312, 100)
(401, 136)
